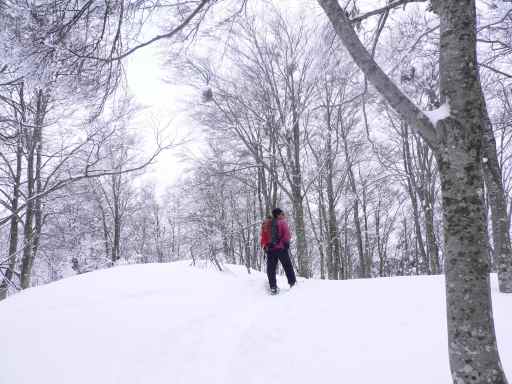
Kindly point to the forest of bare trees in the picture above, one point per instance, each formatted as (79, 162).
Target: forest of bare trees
(382, 130)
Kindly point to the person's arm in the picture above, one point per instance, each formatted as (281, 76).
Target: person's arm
(264, 240)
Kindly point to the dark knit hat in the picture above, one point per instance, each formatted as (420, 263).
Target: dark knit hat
(276, 212)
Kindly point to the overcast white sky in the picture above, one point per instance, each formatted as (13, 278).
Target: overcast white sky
(164, 107)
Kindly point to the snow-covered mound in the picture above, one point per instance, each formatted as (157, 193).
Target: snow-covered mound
(173, 323)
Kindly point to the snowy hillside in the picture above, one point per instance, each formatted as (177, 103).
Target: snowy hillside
(172, 323)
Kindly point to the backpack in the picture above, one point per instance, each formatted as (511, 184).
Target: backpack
(275, 236)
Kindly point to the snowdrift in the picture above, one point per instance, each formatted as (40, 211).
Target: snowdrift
(173, 323)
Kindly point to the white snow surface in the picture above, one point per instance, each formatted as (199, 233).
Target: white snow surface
(174, 323)
(438, 114)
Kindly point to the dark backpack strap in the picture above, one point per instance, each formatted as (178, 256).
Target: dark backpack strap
(275, 236)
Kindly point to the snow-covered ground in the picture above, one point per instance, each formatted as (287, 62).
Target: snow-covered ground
(172, 323)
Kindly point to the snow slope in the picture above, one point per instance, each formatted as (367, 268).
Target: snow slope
(172, 323)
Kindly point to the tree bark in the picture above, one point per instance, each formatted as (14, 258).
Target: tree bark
(473, 351)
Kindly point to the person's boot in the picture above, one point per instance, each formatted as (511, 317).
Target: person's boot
(273, 291)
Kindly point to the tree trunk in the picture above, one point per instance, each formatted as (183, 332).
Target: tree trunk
(334, 245)
(363, 268)
(321, 239)
(412, 189)
(303, 261)
(33, 210)
(13, 230)
(38, 205)
(106, 240)
(382, 258)
(26, 261)
(473, 351)
(117, 233)
(346, 249)
(427, 197)
(319, 235)
(368, 251)
(115, 208)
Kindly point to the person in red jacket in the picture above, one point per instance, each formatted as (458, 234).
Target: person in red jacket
(275, 240)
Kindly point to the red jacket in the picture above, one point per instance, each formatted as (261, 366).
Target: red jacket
(266, 234)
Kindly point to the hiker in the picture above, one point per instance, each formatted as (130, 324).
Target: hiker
(275, 240)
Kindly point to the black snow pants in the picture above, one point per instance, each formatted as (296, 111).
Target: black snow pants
(283, 256)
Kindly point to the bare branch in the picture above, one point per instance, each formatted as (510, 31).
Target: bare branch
(387, 88)
(385, 9)
(495, 70)
(167, 35)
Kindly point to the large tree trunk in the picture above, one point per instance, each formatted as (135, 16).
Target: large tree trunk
(473, 351)
(456, 142)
